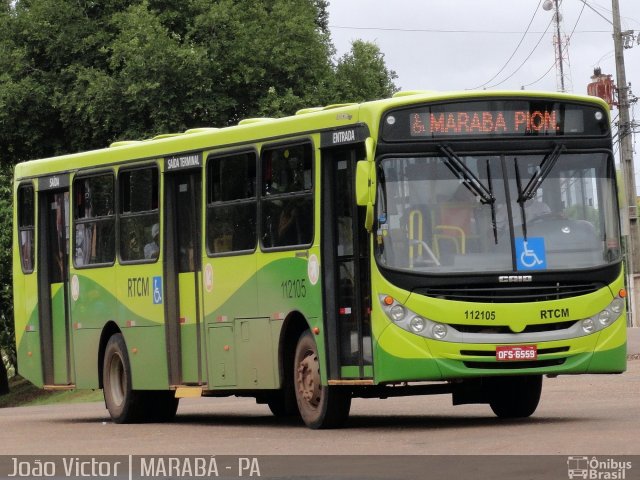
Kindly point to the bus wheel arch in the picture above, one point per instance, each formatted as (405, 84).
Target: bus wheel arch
(125, 404)
(282, 402)
(110, 329)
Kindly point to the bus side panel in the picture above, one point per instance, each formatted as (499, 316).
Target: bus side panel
(93, 305)
(256, 351)
(140, 314)
(285, 285)
(147, 355)
(230, 292)
(27, 327)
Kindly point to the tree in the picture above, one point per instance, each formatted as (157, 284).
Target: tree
(362, 74)
(7, 338)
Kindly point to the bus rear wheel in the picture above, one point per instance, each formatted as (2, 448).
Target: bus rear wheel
(320, 406)
(124, 404)
(160, 406)
(514, 397)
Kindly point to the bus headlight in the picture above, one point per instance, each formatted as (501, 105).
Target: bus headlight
(439, 331)
(604, 318)
(417, 324)
(411, 321)
(588, 325)
(617, 305)
(397, 312)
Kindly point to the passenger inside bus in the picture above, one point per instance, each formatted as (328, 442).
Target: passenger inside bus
(152, 249)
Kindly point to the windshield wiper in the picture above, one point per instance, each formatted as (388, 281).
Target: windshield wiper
(493, 204)
(468, 178)
(541, 173)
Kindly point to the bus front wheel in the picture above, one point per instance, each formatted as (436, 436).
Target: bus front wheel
(320, 406)
(514, 397)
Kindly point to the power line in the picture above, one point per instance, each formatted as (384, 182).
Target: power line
(526, 59)
(515, 49)
(543, 75)
(584, 3)
(432, 30)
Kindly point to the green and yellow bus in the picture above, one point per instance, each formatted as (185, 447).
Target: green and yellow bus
(464, 243)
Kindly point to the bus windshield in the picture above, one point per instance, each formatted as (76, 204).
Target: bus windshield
(553, 210)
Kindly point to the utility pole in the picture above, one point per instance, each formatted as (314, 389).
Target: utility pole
(560, 63)
(626, 155)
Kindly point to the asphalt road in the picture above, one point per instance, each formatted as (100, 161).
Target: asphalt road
(583, 415)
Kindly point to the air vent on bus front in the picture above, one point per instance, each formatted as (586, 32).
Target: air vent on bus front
(515, 294)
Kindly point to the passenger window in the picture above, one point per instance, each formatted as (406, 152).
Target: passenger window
(94, 220)
(287, 196)
(231, 203)
(139, 215)
(26, 227)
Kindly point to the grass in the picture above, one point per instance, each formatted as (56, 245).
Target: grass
(23, 393)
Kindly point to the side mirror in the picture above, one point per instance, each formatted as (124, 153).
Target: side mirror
(366, 184)
(363, 172)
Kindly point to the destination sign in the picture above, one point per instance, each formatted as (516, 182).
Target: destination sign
(344, 136)
(495, 118)
(179, 162)
(53, 182)
(468, 123)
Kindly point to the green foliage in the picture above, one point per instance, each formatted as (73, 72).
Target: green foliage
(362, 74)
(7, 338)
(78, 74)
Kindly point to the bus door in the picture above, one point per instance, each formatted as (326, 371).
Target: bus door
(183, 258)
(53, 279)
(345, 254)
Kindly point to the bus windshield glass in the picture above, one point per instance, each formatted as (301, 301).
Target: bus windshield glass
(504, 212)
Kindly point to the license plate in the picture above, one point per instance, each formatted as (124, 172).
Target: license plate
(515, 353)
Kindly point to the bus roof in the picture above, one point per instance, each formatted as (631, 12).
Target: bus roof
(254, 130)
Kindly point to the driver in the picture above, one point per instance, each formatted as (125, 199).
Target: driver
(532, 209)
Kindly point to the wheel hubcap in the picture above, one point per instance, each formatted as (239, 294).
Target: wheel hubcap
(117, 380)
(308, 379)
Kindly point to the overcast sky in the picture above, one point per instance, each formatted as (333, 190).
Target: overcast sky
(463, 44)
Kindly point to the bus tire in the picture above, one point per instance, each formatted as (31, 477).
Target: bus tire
(124, 404)
(282, 403)
(320, 406)
(514, 397)
(161, 406)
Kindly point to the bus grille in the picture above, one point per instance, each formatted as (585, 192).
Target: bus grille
(492, 353)
(534, 328)
(515, 365)
(512, 294)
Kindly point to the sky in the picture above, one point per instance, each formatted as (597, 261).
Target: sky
(467, 44)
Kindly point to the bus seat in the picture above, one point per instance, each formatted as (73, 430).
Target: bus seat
(454, 226)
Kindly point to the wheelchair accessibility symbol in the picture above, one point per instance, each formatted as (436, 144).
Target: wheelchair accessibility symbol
(530, 253)
(157, 290)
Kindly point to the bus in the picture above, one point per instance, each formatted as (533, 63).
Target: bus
(430, 243)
